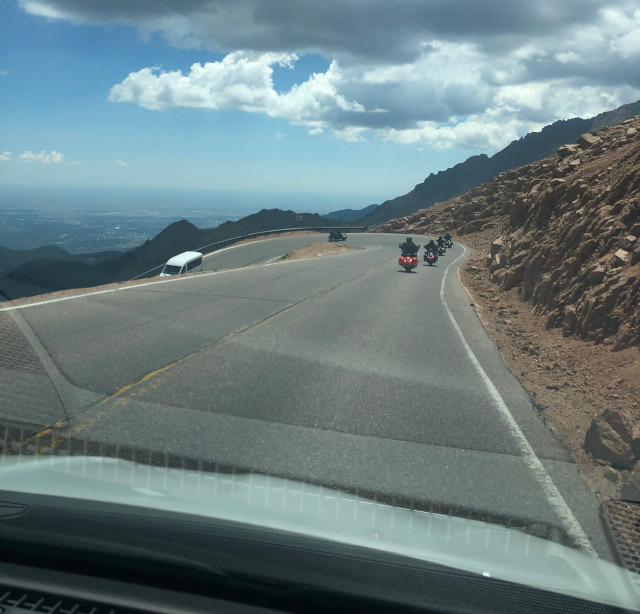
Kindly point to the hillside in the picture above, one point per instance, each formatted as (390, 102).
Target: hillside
(478, 169)
(45, 274)
(351, 215)
(555, 277)
(10, 259)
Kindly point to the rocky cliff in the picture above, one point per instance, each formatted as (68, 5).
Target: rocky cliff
(566, 233)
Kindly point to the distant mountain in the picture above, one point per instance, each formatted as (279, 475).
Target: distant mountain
(479, 169)
(48, 274)
(351, 215)
(10, 259)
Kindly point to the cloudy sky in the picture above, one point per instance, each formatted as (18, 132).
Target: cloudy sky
(349, 96)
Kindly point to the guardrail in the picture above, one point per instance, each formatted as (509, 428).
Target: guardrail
(212, 247)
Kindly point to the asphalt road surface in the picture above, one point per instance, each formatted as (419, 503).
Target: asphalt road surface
(341, 370)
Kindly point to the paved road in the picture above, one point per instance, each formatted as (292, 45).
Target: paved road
(260, 251)
(342, 370)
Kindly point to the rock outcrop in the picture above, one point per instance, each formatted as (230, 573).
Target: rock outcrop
(610, 440)
(567, 233)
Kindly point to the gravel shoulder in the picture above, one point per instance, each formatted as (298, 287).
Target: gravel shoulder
(570, 381)
(314, 250)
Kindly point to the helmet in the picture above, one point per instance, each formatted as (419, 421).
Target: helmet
(409, 240)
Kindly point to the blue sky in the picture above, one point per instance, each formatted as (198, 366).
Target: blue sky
(362, 97)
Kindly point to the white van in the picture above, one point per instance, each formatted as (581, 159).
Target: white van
(186, 262)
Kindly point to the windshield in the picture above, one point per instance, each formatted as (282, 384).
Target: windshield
(487, 370)
(171, 269)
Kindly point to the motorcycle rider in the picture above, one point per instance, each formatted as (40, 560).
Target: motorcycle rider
(447, 237)
(409, 247)
(440, 241)
(431, 246)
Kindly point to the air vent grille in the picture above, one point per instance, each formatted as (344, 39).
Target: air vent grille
(33, 601)
(622, 520)
(15, 351)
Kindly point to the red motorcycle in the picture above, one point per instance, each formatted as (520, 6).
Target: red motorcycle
(408, 261)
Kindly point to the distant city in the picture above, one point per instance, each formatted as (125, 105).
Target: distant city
(84, 220)
(93, 231)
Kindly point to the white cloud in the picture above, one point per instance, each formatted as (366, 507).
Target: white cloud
(472, 133)
(5, 156)
(444, 73)
(350, 133)
(239, 82)
(625, 41)
(121, 163)
(4, 73)
(75, 163)
(565, 57)
(54, 157)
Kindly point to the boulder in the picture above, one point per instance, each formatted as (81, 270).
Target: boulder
(630, 490)
(611, 474)
(621, 257)
(513, 277)
(588, 140)
(635, 441)
(597, 275)
(630, 243)
(520, 256)
(567, 150)
(518, 211)
(609, 439)
(472, 226)
(569, 321)
(497, 246)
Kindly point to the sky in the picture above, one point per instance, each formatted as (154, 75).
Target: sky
(359, 97)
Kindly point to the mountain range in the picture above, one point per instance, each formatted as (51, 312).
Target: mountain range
(351, 215)
(47, 269)
(478, 169)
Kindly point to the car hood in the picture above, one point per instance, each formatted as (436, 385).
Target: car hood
(319, 512)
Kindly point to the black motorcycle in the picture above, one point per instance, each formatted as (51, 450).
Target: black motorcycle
(430, 257)
(336, 235)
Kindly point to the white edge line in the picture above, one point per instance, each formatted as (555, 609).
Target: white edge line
(180, 278)
(550, 490)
